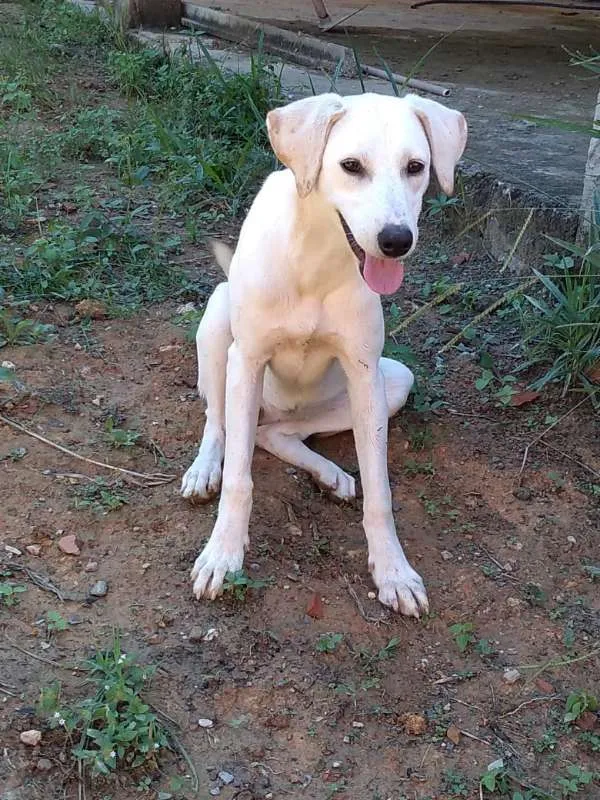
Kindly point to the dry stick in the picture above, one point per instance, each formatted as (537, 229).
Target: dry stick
(41, 581)
(554, 663)
(432, 303)
(517, 242)
(71, 667)
(359, 605)
(151, 479)
(486, 312)
(329, 26)
(528, 703)
(476, 738)
(549, 428)
(574, 460)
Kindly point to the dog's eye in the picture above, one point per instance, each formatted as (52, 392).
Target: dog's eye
(415, 167)
(352, 166)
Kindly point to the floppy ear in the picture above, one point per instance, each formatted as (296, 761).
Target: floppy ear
(446, 131)
(298, 134)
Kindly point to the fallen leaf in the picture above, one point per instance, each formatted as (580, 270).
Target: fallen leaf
(522, 398)
(593, 373)
(453, 734)
(587, 721)
(414, 724)
(91, 309)
(315, 607)
(68, 544)
(461, 258)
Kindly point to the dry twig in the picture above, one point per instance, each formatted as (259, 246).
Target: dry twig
(148, 479)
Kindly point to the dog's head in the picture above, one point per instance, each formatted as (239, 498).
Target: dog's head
(369, 156)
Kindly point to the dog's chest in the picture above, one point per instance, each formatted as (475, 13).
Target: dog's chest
(302, 347)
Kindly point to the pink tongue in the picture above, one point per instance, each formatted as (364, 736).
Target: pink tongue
(383, 275)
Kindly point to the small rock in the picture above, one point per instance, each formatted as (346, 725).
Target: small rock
(99, 589)
(196, 634)
(210, 634)
(186, 308)
(32, 737)
(523, 493)
(44, 765)
(34, 549)
(571, 540)
(371, 595)
(215, 791)
(336, 764)
(453, 734)
(511, 676)
(14, 551)
(205, 723)
(68, 544)
(91, 566)
(414, 724)
(8, 365)
(226, 777)
(358, 724)
(446, 555)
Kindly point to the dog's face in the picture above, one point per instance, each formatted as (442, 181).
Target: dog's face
(369, 156)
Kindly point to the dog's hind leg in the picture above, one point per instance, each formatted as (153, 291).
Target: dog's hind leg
(203, 479)
(285, 439)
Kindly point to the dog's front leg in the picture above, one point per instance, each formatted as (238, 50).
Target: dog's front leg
(399, 585)
(224, 551)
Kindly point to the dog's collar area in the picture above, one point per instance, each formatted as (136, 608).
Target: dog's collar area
(352, 243)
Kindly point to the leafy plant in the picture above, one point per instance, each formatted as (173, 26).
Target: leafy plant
(576, 779)
(55, 622)
(116, 728)
(577, 703)
(563, 330)
(100, 496)
(462, 633)
(17, 331)
(437, 206)
(120, 437)
(9, 593)
(237, 584)
(328, 642)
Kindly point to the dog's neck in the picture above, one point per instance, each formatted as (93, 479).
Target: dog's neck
(324, 259)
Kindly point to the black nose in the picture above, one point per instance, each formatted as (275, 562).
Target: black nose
(395, 240)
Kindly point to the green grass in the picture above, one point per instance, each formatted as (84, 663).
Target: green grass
(163, 138)
(111, 727)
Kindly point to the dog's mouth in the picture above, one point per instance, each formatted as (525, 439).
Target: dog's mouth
(382, 275)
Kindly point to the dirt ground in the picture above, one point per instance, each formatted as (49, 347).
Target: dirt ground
(507, 547)
(288, 720)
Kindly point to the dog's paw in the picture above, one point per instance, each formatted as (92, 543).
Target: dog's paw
(202, 481)
(401, 588)
(211, 566)
(338, 483)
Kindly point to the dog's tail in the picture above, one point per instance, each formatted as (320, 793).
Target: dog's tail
(223, 255)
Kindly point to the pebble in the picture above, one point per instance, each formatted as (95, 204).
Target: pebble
(523, 493)
(571, 540)
(446, 555)
(196, 634)
(226, 777)
(34, 549)
(8, 365)
(32, 737)
(205, 723)
(14, 551)
(91, 566)
(511, 675)
(215, 791)
(44, 765)
(371, 595)
(68, 544)
(336, 764)
(358, 724)
(99, 589)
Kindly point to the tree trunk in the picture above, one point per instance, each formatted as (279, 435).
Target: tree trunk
(591, 180)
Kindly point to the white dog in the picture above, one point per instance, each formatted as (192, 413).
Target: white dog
(296, 333)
